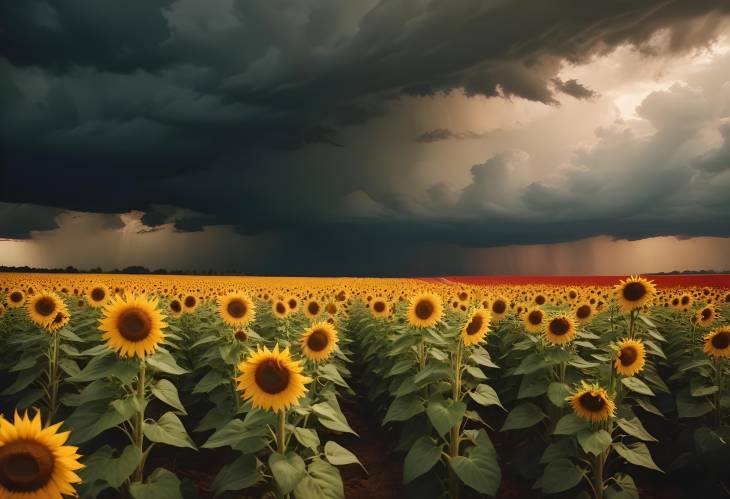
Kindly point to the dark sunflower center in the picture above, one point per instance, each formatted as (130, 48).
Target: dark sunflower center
(271, 376)
(59, 318)
(463, 296)
(175, 306)
(313, 308)
(475, 325)
(592, 403)
(16, 296)
(685, 300)
(721, 340)
(240, 335)
(706, 313)
(236, 308)
(559, 326)
(280, 308)
(292, 304)
(499, 306)
(318, 340)
(97, 294)
(534, 317)
(727, 298)
(583, 312)
(45, 306)
(539, 299)
(675, 302)
(25, 466)
(378, 306)
(634, 291)
(134, 324)
(627, 356)
(572, 294)
(190, 301)
(424, 309)
(331, 308)
(340, 296)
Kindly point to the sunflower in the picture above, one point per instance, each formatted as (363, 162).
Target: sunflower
(476, 328)
(634, 293)
(312, 309)
(292, 302)
(133, 326)
(379, 307)
(43, 307)
(16, 298)
(499, 308)
(533, 320)
(706, 316)
(592, 402)
(175, 308)
(236, 309)
(584, 312)
(34, 462)
(630, 356)
(279, 309)
(61, 320)
(271, 379)
(97, 296)
(190, 303)
(560, 329)
(717, 342)
(425, 310)
(319, 341)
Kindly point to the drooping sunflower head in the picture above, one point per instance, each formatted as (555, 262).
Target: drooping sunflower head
(236, 309)
(61, 320)
(97, 296)
(318, 341)
(706, 316)
(132, 326)
(34, 462)
(717, 342)
(425, 310)
(634, 292)
(16, 298)
(630, 357)
(476, 328)
(560, 329)
(312, 308)
(379, 307)
(279, 309)
(190, 303)
(592, 402)
(584, 312)
(43, 307)
(533, 320)
(271, 379)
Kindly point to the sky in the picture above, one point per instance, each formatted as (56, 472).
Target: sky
(413, 137)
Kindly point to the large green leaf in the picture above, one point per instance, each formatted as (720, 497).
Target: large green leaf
(168, 430)
(485, 395)
(423, 455)
(636, 385)
(331, 417)
(523, 416)
(103, 465)
(478, 468)
(634, 428)
(339, 456)
(404, 408)
(288, 470)
(321, 481)
(165, 391)
(560, 475)
(594, 442)
(163, 361)
(444, 414)
(570, 424)
(637, 454)
(161, 484)
(557, 393)
(307, 437)
(240, 474)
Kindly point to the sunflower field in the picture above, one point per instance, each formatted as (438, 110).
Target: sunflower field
(247, 387)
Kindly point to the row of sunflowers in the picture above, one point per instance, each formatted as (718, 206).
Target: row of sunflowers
(123, 385)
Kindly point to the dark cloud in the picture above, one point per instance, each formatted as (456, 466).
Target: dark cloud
(574, 88)
(440, 134)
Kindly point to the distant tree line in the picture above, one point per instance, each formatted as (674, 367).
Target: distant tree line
(132, 269)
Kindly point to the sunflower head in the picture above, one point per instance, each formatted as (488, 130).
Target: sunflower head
(61, 320)
(592, 402)
(43, 308)
(236, 309)
(312, 308)
(190, 303)
(498, 308)
(634, 292)
(16, 298)
(279, 309)
(584, 312)
(271, 379)
(318, 341)
(34, 462)
(97, 296)
(533, 320)
(379, 307)
(292, 302)
(476, 328)
(132, 326)
(717, 342)
(425, 310)
(175, 307)
(560, 329)
(706, 316)
(630, 357)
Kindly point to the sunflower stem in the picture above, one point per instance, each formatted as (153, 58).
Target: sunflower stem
(597, 475)
(139, 422)
(53, 376)
(718, 382)
(281, 433)
(454, 482)
(632, 321)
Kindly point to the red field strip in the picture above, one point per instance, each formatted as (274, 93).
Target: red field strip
(662, 281)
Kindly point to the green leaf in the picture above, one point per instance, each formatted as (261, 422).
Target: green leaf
(626, 488)
(24, 379)
(211, 380)
(557, 393)
(330, 372)
(168, 430)
(240, 474)
(444, 414)
(570, 424)
(481, 357)
(691, 407)
(637, 454)
(635, 384)
(485, 395)
(165, 391)
(308, 438)
(560, 475)
(161, 484)
(404, 408)
(594, 442)
(332, 417)
(339, 456)
(288, 470)
(634, 428)
(322, 481)
(523, 416)
(530, 364)
(475, 372)
(423, 455)
(532, 385)
(163, 361)
(649, 407)
(107, 366)
(478, 468)
(103, 465)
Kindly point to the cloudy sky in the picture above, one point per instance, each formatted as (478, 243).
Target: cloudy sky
(393, 137)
